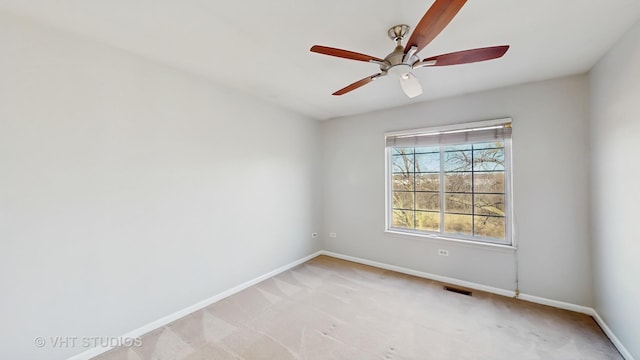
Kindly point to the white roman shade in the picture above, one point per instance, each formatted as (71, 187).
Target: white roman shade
(492, 133)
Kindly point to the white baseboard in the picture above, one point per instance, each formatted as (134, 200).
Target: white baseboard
(614, 339)
(509, 293)
(556, 304)
(448, 280)
(93, 352)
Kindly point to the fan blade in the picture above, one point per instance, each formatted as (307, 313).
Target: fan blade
(469, 56)
(346, 54)
(357, 84)
(410, 85)
(433, 22)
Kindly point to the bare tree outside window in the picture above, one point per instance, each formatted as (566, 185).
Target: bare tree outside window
(456, 189)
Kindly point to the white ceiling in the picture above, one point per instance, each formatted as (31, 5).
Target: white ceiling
(262, 47)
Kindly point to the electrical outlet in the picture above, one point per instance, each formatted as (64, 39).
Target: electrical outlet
(314, 235)
(443, 252)
(332, 235)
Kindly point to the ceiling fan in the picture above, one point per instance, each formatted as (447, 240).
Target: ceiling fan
(402, 60)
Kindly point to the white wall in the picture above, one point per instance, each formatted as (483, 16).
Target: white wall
(550, 155)
(129, 190)
(615, 141)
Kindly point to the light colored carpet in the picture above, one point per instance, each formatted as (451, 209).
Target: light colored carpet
(334, 309)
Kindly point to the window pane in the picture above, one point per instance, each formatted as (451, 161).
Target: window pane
(458, 203)
(491, 227)
(488, 160)
(423, 150)
(427, 182)
(492, 182)
(457, 161)
(402, 164)
(458, 224)
(402, 200)
(428, 162)
(489, 204)
(457, 182)
(403, 218)
(429, 221)
(403, 182)
(428, 201)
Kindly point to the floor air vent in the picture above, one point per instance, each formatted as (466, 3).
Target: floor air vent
(458, 290)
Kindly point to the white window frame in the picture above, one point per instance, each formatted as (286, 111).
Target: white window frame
(509, 240)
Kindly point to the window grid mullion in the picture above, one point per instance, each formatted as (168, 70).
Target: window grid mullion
(442, 198)
(415, 213)
(473, 193)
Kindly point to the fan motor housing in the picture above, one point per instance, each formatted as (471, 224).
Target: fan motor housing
(398, 58)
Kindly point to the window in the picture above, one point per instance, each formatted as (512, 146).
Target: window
(451, 182)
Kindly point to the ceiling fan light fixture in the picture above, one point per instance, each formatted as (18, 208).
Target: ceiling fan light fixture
(410, 85)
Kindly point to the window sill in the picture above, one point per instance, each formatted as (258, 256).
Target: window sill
(444, 239)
